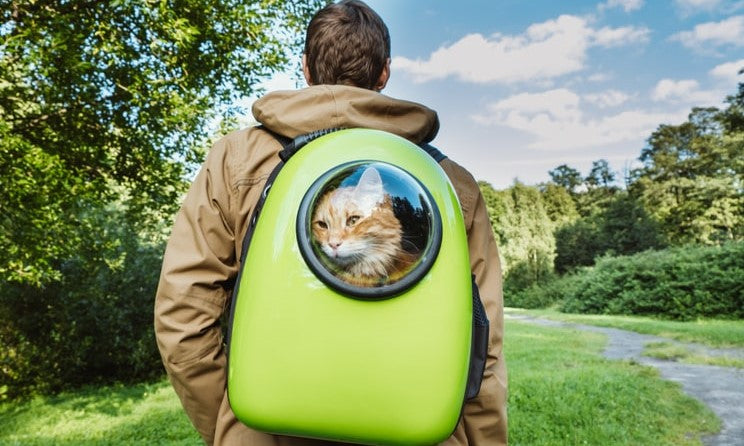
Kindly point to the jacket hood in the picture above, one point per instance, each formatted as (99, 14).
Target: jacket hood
(297, 112)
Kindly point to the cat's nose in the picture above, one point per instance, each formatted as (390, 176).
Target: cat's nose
(335, 244)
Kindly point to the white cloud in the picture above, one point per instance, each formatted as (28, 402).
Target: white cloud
(726, 32)
(560, 103)
(599, 77)
(667, 89)
(685, 91)
(608, 37)
(729, 71)
(555, 120)
(627, 5)
(698, 4)
(544, 51)
(721, 7)
(606, 99)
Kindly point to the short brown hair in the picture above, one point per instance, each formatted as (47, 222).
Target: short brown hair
(347, 43)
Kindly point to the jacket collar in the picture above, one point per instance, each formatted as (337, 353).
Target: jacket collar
(297, 112)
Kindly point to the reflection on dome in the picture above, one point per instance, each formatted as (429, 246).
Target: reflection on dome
(369, 224)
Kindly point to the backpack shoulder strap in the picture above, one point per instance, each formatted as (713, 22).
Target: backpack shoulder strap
(292, 146)
(433, 152)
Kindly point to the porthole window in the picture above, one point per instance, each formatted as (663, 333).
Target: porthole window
(369, 229)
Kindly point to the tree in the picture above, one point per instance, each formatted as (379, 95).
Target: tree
(692, 179)
(566, 177)
(523, 231)
(99, 95)
(620, 227)
(626, 228)
(105, 110)
(733, 117)
(600, 175)
(577, 244)
(94, 323)
(559, 204)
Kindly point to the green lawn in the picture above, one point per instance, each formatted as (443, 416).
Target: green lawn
(676, 352)
(711, 332)
(561, 392)
(141, 414)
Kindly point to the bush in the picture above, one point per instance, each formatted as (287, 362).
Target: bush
(678, 283)
(94, 324)
(621, 227)
(545, 294)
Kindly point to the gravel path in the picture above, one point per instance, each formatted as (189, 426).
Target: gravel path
(721, 388)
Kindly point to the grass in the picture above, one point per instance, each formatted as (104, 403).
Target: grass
(711, 332)
(677, 352)
(562, 392)
(140, 414)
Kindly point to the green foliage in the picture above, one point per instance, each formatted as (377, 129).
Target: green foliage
(600, 175)
(559, 204)
(105, 108)
(523, 231)
(598, 219)
(118, 93)
(544, 294)
(693, 177)
(620, 227)
(39, 198)
(678, 283)
(94, 323)
(577, 244)
(566, 177)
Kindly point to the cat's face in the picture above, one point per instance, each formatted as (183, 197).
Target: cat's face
(356, 228)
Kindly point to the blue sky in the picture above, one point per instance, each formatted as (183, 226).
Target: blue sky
(524, 86)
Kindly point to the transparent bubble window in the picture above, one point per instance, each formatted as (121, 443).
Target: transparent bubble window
(369, 229)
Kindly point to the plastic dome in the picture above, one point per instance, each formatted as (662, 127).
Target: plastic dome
(368, 229)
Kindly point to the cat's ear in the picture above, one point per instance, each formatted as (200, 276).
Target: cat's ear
(370, 187)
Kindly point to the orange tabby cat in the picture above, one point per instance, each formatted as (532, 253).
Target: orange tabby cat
(358, 231)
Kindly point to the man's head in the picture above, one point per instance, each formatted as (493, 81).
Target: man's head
(347, 43)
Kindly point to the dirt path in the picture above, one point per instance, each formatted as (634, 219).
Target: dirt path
(721, 388)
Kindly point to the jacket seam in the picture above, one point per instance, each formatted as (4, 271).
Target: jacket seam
(210, 298)
(335, 118)
(251, 181)
(196, 356)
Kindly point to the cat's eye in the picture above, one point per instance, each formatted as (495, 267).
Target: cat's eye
(321, 224)
(352, 220)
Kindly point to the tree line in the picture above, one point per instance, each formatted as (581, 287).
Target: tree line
(689, 190)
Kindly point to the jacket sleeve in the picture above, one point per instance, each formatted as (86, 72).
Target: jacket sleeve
(484, 420)
(198, 268)
(485, 415)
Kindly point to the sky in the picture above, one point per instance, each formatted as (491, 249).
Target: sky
(522, 87)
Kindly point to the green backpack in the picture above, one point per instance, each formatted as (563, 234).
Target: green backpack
(355, 316)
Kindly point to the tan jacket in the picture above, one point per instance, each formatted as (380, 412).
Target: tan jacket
(201, 259)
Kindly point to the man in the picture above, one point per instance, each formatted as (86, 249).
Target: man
(346, 64)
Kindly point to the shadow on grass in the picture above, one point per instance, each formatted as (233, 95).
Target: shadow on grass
(111, 401)
(136, 414)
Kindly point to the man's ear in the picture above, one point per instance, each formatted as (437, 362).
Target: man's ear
(306, 70)
(384, 76)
